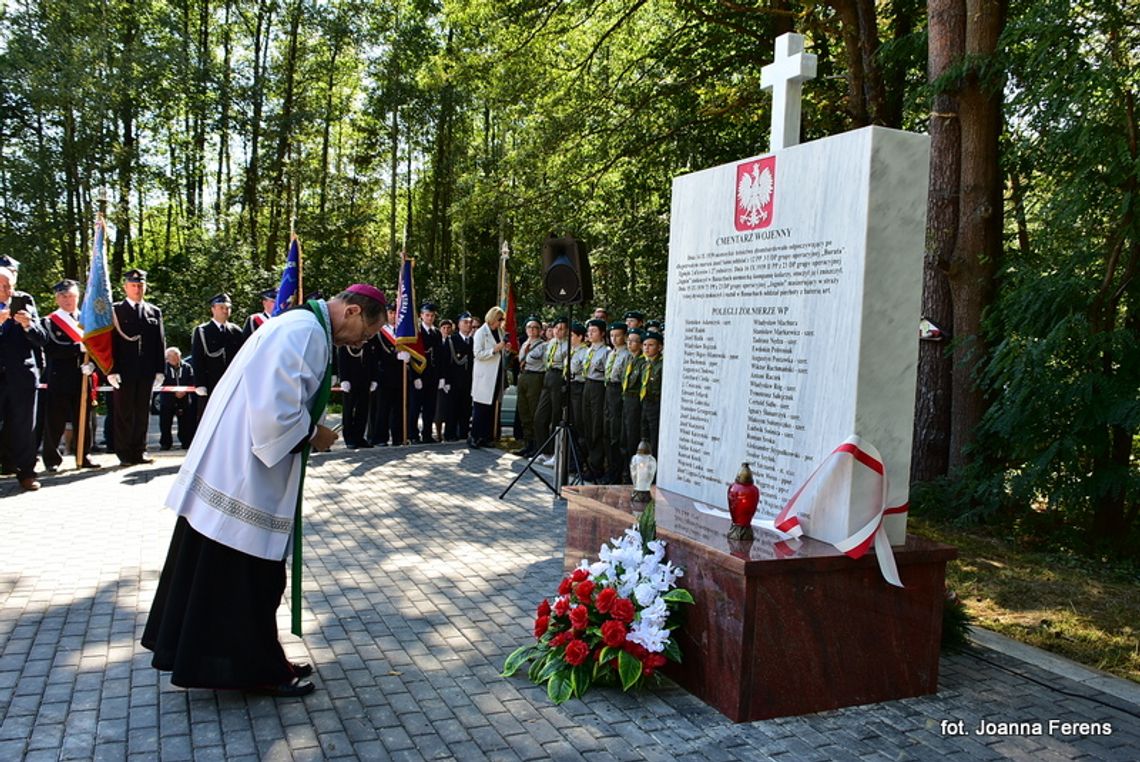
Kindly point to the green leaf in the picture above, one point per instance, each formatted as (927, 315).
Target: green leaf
(629, 668)
(553, 664)
(537, 667)
(678, 595)
(647, 525)
(580, 678)
(559, 688)
(672, 650)
(517, 658)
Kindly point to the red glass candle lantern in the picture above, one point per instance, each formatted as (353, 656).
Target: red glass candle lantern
(743, 497)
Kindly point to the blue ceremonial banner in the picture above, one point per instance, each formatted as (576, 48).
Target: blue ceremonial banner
(287, 294)
(96, 316)
(407, 327)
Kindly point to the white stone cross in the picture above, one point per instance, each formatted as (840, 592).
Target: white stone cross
(785, 77)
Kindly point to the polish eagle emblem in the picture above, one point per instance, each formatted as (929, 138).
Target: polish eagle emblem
(755, 189)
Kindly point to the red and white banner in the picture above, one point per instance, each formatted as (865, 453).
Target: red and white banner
(843, 503)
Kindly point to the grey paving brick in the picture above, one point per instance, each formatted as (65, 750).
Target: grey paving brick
(412, 603)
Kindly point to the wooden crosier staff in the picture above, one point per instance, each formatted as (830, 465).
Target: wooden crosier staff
(504, 299)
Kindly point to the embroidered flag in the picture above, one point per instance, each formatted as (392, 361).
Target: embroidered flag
(407, 328)
(95, 316)
(287, 294)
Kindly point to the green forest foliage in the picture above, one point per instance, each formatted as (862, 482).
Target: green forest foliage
(212, 127)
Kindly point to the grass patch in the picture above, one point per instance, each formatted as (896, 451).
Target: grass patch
(1083, 609)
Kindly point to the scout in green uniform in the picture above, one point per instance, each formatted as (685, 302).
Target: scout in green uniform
(594, 399)
(532, 368)
(549, 412)
(578, 349)
(616, 363)
(651, 388)
(631, 399)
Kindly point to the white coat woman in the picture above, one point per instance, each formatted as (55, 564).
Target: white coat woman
(490, 346)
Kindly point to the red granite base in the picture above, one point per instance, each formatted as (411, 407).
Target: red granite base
(782, 628)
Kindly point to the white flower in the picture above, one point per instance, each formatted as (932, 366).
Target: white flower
(645, 593)
(650, 636)
(599, 569)
(655, 613)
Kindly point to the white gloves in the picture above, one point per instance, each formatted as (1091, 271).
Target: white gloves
(372, 386)
(200, 391)
(442, 383)
(88, 368)
(403, 357)
(418, 383)
(157, 381)
(447, 388)
(346, 386)
(115, 380)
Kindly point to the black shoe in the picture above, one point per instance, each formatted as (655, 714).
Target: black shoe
(295, 688)
(51, 469)
(472, 443)
(91, 464)
(165, 447)
(364, 446)
(144, 458)
(301, 671)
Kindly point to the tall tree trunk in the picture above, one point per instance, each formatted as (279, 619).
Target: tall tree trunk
(279, 207)
(250, 200)
(930, 456)
(394, 181)
(222, 172)
(326, 130)
(125, 151)
(978, 247)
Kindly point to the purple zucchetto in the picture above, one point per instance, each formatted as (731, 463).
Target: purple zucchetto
(371, 292)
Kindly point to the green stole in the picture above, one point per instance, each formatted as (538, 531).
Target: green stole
(319, 404)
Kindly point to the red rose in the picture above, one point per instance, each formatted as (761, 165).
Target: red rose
(613, 633)
(580, 575)
(544, 608)
(576, 652)
(564, 586)
(541, 625)
(579, 617)
(561, 606)
(561, 638)
(584, 590)
(622, 610)
(636, 649)
(605, 599)
(652, 662)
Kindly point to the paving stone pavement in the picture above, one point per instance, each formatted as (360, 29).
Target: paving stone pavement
(419, 581)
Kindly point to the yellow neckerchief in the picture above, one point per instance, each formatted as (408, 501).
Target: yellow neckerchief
(590, 358)
(551, 353)
(629, 369)
(648, 374)
(610, 362)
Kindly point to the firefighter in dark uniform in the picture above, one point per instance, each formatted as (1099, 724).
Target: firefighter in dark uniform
(22, 339)
(359, 372)
(138, 352)
(177, 406)
(651, 388)
(426, 385)
(388, 399)
(65, 370)
(257, 319)
(631, 399)
(214, 344)
(460, 370)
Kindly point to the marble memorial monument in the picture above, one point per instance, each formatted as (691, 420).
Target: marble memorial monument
(793, 298)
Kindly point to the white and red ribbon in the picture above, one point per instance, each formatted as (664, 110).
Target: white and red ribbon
(67, 324)
(836, 471)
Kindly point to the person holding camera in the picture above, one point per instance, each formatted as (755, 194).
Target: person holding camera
(21, 359)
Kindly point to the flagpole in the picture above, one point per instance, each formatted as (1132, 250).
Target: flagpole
(81, 428)
(504, 298)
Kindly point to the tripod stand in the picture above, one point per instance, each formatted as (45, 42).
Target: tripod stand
(565, 445)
